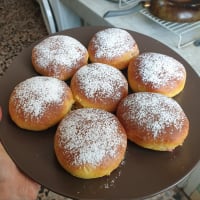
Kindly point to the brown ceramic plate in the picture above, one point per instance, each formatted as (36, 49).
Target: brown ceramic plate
(143, 173)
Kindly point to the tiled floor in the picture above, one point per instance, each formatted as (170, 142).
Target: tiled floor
(21, 24)
(175, 194)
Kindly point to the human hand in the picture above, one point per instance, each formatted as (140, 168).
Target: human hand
(0, 113)
(13, 184)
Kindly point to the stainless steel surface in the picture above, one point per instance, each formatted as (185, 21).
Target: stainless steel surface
(120, 12)
(179, 29)
(125, 3)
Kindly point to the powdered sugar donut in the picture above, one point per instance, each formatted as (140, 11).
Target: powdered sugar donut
(155, 72)
(113, 46)
(59, 56)
(39, 102)
(90, 143)
(153, 121)
(99, 85)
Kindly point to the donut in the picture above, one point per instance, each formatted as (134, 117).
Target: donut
(155, 72)
(39, 102)
(99, 85)
(59, 56)
(153, 121)
(90, 143)
(112, 46)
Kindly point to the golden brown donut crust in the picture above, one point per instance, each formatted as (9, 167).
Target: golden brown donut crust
(90, 143)
(112, 46)
(99, 85)
(59, 56)
(155, 72)
(153, 121)
(39, 102)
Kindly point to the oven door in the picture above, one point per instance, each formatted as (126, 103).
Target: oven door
(57, 16)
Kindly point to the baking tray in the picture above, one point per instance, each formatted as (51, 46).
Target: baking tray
(142, 174)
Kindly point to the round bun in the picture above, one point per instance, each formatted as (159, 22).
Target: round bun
(59, 56)
(155, 72)
(112, 46)
(90, 143)
(99, 85)
(153, 121)
(40, 102)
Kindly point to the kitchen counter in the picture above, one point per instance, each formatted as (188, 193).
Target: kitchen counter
(92, 13)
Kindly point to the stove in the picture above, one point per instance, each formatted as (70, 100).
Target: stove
(184, 38)
(184, 31)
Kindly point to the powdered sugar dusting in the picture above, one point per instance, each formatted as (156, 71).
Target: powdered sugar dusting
(153, 112)
(91, 135)
(159, 70)
(35, 94)
(101, 81)
(59, 50)
(112, 42)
